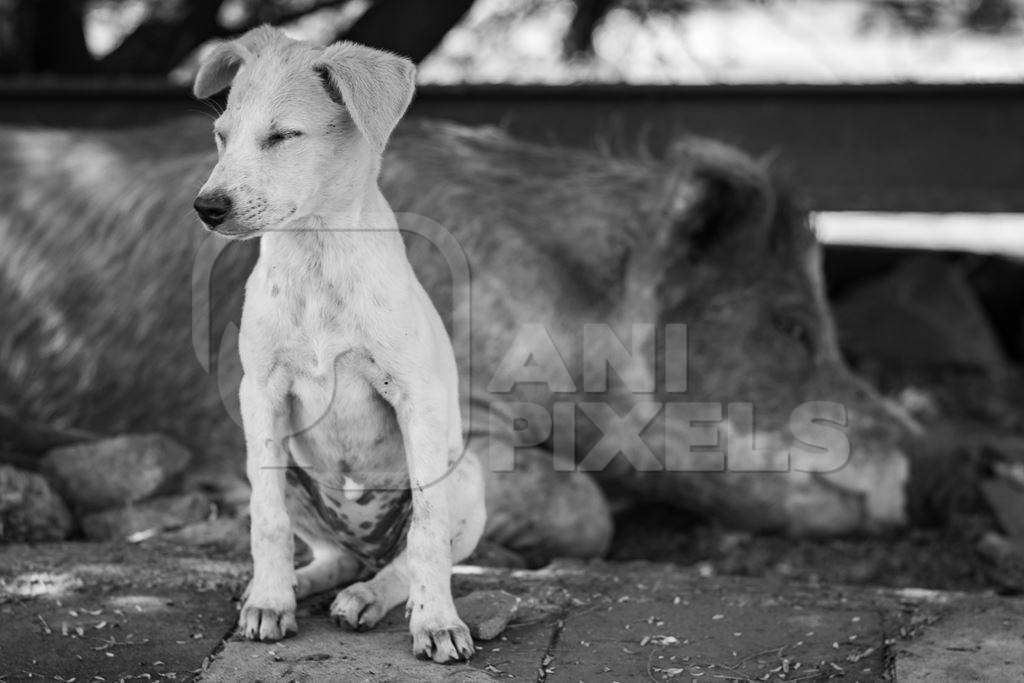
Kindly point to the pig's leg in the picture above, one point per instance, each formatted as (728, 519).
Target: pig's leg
(543, 512)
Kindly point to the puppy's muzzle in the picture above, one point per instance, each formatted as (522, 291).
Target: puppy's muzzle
(212, 207)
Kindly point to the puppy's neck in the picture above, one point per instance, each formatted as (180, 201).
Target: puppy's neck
(336, 245)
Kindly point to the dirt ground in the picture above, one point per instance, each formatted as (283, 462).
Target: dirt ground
(926, 558)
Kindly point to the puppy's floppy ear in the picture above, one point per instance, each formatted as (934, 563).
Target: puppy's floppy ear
(219, 66)
(375, 86)
(217, 70)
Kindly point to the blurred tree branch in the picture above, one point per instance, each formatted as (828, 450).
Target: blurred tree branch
(274, 14)
(919, 16)
(44, 36)
(579, 38)
(412, 28)
(48, 36)
(168, 36)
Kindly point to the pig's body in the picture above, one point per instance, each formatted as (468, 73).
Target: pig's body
(98, 261)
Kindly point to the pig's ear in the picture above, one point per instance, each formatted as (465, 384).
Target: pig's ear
(220, 65)
(374, 86)
(217, 69)
(732, 200)
(715, 213)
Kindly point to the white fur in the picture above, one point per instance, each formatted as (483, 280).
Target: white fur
(334, 315)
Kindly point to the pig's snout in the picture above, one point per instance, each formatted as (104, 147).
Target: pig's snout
(868, 493)
(213, 207)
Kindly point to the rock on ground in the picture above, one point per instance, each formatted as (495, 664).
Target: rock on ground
(111, 472)
(487, 613)
(227, 534)
(30, 510)
(153, 516)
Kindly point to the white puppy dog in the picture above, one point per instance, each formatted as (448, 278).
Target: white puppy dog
(349, 399)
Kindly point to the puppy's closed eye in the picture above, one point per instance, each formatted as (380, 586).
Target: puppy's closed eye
(279, 136)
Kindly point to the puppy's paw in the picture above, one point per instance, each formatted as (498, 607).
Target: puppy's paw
(440, 639)
(267, 617)
(358, 607)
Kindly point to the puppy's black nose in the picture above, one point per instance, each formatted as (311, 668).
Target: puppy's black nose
(213, 208)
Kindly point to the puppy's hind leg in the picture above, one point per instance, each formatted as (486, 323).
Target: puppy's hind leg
(363, 604)
(332, 566)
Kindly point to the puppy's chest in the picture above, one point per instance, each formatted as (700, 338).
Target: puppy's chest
(348, 479)
(307, 332)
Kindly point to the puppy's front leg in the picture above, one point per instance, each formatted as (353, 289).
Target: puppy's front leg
(437, 631)
(268, 612)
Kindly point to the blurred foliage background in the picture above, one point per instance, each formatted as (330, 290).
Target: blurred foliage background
(550, 41)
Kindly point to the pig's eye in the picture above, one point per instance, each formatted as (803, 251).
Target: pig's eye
(279, 136)
(794, 328)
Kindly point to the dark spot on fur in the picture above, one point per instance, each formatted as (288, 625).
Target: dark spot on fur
(375, 543)
(366, 498)
(394, 519)
(275, 290)
(303, 483)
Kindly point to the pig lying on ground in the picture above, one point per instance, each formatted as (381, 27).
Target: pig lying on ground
(583, 270)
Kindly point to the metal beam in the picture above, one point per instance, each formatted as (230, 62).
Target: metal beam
(930, 148)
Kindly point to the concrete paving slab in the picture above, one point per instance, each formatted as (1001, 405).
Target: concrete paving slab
(109, 612)
(974, 643)
(649, 622)
(716, 636)
(520, 652)
(113, 612)
(99, 636)
(323, 651)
